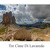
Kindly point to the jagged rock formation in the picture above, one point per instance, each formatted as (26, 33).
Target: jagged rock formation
(18, 35)
(22, 34)
(8, 18)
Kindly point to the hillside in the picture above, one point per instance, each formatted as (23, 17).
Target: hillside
(34, 34)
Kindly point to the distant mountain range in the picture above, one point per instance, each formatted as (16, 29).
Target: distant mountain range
(37, 25)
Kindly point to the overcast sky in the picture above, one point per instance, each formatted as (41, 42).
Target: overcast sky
(27, 14)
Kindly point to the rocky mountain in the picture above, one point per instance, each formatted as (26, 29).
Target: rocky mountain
(8, 18)
(37, 25)
(41, 25)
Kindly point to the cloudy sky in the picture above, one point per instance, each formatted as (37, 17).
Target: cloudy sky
(27, 14)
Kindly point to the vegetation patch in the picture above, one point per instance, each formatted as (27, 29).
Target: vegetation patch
(2, 30)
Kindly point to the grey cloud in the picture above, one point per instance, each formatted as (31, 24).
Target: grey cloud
(40, 11)
(22, 14)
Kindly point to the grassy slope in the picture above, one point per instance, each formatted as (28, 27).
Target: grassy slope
(2, 30)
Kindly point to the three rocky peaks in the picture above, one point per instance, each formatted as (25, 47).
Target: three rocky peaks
(8, 18)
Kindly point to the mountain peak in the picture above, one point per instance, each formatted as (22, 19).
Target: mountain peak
(8, 18)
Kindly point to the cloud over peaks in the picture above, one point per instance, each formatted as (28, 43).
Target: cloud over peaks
(21, 12)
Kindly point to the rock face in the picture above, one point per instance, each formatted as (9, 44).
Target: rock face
(8, 18)
(22, 34)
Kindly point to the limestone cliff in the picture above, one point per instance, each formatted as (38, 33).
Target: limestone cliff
(8, 18)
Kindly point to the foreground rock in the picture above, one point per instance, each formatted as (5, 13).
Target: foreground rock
(18, 35)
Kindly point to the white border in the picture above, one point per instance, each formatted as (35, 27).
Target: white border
(4, 45)
(24, 1)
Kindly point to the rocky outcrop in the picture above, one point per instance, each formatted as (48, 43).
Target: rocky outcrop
(22, 34)
(8, 18)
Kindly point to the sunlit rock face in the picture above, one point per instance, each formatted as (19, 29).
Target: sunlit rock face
(8, 18)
